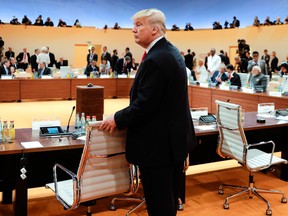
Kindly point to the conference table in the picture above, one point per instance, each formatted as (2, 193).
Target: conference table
(60, 88)
(64, 150)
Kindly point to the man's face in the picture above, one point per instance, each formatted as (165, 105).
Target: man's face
(143, 32)
(104, 49)
(7, 64)
(41, 65)
(212, 52)
(255, 72)
(255, 57)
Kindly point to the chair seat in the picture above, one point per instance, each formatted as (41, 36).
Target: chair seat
(257, 159)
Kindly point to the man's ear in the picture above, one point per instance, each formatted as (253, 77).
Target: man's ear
(155, 30)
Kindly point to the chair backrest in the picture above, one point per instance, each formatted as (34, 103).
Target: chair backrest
(103, 169)
(232, 141)
(243, 78)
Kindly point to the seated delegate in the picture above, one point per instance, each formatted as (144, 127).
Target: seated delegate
(92, 67)
(258, 80)
(219, 76)
(233, 77)
(42, 70)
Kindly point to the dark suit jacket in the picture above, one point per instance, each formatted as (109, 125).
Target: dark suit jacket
(158, 120)
(274, 64)
(235, 80)
(119, 66)
(128, 54)
(95, 57)
(261, 64)
(34, 64)
(52, 59)
(189, 61)
(9, 54)
(58, 64)
(113, 62)
(107, 56)
(20, 57)
(47, 71)
(3, 71)
(259, 82)
(223, 77)
(89, 69)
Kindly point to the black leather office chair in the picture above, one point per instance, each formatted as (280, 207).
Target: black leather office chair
(233, 144)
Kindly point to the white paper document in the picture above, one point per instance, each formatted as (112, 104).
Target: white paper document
(206, 127)
(32, 144)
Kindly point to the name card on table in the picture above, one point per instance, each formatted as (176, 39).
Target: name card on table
(224, 87)
(84, 76)
(204, 85)
(5, 77)
(105, 76)
(266, 108)
(247, 90)
(275, 93)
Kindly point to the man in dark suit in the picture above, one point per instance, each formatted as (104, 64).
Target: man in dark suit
(23, 59)
(13, 63)
(61, 62)
(4, 68)
(274, 62)
(43, 70)
(123, 65)
(114, 59)
(258, 80)
(9, 53)
(33, 60)
(219, 76)
(52, 58)
(189, 60)
(128, 53)
(92, 67)
(257, 62)
(233, 77)
(91, 56)
(241, 64)
(160, 130)
(106, 54)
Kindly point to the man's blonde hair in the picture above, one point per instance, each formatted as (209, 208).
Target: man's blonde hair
(154, 17)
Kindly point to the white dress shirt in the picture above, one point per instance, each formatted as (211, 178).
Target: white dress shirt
(213, 63)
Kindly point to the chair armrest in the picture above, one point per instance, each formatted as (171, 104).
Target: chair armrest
(76, 186)
(134, 176)
(261, 144)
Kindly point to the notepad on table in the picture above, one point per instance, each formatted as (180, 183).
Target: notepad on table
(32, 144)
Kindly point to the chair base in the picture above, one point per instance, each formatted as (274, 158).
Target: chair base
(142, 201)
(251, 190)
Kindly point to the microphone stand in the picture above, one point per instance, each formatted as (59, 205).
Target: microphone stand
(67, 130)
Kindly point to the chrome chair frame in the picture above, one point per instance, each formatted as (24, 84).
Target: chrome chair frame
(72, 189)
(231, 132)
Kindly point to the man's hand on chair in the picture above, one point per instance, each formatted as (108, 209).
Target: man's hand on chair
(108, 124)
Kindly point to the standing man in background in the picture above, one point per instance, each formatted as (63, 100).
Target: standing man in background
(160, 131)
(23, 59)
(213, 62)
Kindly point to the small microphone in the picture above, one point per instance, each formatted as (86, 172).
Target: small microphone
(70, 119)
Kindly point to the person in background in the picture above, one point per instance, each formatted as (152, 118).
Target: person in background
(128, 53)
(51, 57)
(219, 76)
(43, 56)
(157, 144)
(91, 56)
(257, 62)
(106, 54)
(189, 59)
(9, 53)
(15, 21)
(61, 23)
(5, 68)
(235, 23)
(258, 80)
(33, 60)
(284, 69)
(267, 22)
(188, 27)
(266, 57)
(26, 21)
(233, 77)
(61, 62)
(39, 21)
(48, 22)
(43, 70)
(134, 66)
(105, 66)
(23, 59)
(278, 21)
(13, 63)
(123, 65)
(213, 62)
(201, 72)
(77, 23)
(92, 68)
(114, 59)
(256, 22)
(241, 64)
(274, 62)
(175, 28)
(116, 26)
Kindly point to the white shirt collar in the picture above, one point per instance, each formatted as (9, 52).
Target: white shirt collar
(153, 43)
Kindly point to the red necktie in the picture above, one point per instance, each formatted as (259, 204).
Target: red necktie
(144, 55)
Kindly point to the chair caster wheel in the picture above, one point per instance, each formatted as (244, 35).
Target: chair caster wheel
(226, 206)
(283, 200)
(88, 214)
(180, 207)
(113, 207)
(269, 212)
(250, 197)
(220, 191)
